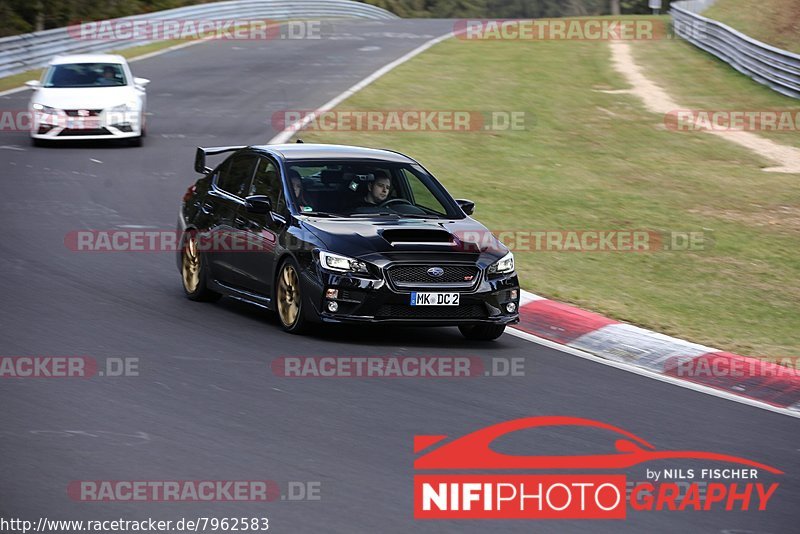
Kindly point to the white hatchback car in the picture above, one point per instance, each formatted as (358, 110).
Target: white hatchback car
(88, 96)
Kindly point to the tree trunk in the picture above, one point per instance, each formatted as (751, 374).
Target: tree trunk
(615, 7)
(39, 24)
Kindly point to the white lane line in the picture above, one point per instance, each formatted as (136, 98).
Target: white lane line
(650, 374)
(12, 91)
(296, 126)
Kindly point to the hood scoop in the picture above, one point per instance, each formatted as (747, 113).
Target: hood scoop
(418, 236)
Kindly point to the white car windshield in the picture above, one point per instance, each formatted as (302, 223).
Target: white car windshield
(85, 75)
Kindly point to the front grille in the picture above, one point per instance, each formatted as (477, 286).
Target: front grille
(91, 112)
(401, 311)
(66, 132)
(455, 276)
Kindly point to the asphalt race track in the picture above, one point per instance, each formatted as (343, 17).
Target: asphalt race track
(206, 404)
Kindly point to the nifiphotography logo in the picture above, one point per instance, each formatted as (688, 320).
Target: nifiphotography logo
(492, 490)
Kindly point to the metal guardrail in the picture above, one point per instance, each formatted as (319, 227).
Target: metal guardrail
(766, 64)
(19, 53)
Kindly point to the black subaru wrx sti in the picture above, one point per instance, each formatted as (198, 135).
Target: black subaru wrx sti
(342, 234)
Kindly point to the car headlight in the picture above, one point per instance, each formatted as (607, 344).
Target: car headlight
(41, 108)
(503, 265)
(124, 108)
(342, 264)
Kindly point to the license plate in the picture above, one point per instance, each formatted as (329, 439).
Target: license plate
(434, 299)
(83, 124)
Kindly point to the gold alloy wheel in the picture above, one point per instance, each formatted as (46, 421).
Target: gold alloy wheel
(190, 266)
(288, 295)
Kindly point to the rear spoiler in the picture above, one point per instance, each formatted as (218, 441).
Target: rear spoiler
(200, 156)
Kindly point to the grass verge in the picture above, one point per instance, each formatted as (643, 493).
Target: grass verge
(775, 22)
(595, 160)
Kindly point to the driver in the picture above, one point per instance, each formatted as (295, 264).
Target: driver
(378, 189)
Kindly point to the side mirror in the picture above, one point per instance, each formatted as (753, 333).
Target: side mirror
(259, 204)
(141, 82)
(33, 84)
(467, 206)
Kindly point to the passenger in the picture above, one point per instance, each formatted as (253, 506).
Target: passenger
(109, 76)
(297, 189)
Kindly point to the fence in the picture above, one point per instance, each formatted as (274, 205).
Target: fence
(766, 64)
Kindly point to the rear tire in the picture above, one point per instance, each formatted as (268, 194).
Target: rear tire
(193, 272)
(289, 298)
(482, 332)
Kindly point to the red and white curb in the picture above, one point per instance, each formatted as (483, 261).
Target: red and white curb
(749, 380)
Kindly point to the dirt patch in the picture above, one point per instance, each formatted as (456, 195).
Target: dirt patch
(659, 101)
(778, 217)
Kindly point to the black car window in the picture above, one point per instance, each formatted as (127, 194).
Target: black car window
(340, 187)
(267, 181)
(85, 75)
(234, 176)
(421, 195)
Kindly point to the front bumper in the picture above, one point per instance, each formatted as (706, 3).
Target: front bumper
(363, 300)
(102, 126)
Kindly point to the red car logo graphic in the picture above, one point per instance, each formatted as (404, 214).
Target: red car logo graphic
(474, 451)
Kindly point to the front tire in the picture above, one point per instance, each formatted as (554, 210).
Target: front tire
(482, 332)
(193, 273)
(289, 298)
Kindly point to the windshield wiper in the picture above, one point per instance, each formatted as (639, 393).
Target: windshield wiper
(319, 214)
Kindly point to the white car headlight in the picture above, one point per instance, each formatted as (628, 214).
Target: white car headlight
(124, 108)
(41, 108)
(126, 113)
(503, 265)
(342, 264)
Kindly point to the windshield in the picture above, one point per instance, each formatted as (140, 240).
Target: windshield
(85, 75)
(359, 189)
